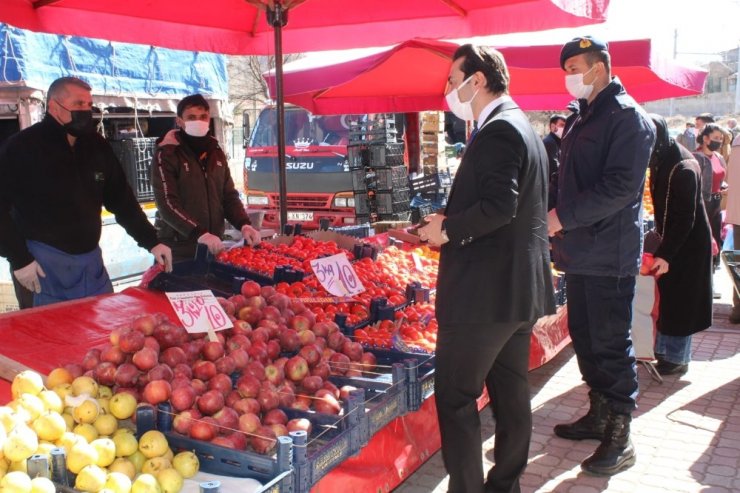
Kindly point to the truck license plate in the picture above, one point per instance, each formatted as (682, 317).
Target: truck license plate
(300, 216)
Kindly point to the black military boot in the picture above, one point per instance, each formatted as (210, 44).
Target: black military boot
(615, 453)
(591, 425)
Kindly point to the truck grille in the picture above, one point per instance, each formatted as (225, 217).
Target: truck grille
(304, 201)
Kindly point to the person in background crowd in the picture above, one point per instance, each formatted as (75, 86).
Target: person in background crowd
(688, 137)
(713, 169)
(726, 147)
(732, 126)
(55, 177)
(494, 276)
(684, 256)
(732, 214)
(192, 186)
(701, 120)
(552, 145)
(597, 240)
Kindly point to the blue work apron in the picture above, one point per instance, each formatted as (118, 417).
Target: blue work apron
(68, 277)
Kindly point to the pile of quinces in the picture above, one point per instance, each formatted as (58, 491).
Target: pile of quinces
(94, 428)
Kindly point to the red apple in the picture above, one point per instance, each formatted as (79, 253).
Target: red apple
(306, 337)
(145, 359)
(280, 429)
(256, 369)
(322, 369)
(274, 375)
(221, 382)
(222, 441)
(112, 354)
(240, 359)
(274, 416)
(127, 375)
(173, 356)
(250, 288)
(299, 323)
(157, 391)
(311, 384)
(241, 327)
(264, 440)
(267, 291)
(238, 341)
(352, 349)
(260, 334)
(369, 361)
(328, 385)
(289, 340)
(160, 372)
(322, 329)
(299, 424)
(249, 423)
(246, 405)
(212, 350)
(273, 349)
(239, 440)
(131, 341)
(180, 381)
(210, 402)
(226, 364)
(152, 343)
(296, 368)
(204, 370)
(310, 353)
(227, 305)
(286, 394)
(183, 370)
(250, 314)
(345, 391)
(184, 420)
(248, 385)
(227, 419)
(268, 398)
(302, 402)
(203, 429)
(182, 398)
(74, 369)
(336, 340)
(105, 373)
(91, 359)
(326, 403)
(271, 313)
(144, 324)
(339, 363)
(199, 386)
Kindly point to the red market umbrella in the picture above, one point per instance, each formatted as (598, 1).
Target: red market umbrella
(238, 26)
(412, 77)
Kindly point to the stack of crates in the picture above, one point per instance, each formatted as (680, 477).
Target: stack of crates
(379, 175)
(432, 142)
(135, 156)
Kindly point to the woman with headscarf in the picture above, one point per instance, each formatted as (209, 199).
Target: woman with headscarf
(683, 260)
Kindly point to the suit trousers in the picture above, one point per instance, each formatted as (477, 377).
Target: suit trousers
(600, 321)
(467, 357)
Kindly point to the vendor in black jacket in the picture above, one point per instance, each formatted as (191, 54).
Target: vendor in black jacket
(192, 186)
(597, 224)
(54, 178)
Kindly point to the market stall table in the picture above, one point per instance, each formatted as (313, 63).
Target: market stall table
(47, 337)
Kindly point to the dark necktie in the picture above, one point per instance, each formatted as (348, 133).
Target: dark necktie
(472, 134)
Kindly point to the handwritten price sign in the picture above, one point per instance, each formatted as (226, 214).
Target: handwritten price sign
(337, 275)
(199, 311)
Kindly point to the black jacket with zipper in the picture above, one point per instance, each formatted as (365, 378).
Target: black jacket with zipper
(194, 194)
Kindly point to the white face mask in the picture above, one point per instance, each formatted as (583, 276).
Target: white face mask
(575, 86)
(559, 132)
(462, 110)
(196, 128)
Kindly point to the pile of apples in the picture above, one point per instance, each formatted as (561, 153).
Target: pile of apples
(93, 426)
(415, 324)
(229, 390)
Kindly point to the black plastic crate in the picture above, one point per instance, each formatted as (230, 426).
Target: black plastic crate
(373, 131)
(431, 183)
(135, 156)
(386, 155)
(392, 178)
(393, 202)
(362, 179)
(417, 213)
(358, 156)
(363, 205)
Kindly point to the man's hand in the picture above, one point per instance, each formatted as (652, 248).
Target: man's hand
(660, 267)
(213, 242)
(553, 223)
(163, 256)
(28, 276)
(432, 231)
(251, 236)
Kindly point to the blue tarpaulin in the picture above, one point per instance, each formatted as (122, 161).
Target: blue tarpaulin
(34, 60)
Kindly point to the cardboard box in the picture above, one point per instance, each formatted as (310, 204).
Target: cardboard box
(8, 301)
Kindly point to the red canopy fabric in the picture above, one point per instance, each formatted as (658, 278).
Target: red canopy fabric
(412, 76)
(239, 27)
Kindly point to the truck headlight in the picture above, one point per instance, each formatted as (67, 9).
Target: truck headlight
(340, 202)
(257, 200)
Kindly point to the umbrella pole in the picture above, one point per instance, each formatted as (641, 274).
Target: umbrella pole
(279, 18)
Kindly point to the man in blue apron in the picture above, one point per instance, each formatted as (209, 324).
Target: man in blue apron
(54, 178)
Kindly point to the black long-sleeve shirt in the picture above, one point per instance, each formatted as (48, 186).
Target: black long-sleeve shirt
(53, 193)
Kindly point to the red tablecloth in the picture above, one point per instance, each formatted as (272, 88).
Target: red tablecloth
(47, 337)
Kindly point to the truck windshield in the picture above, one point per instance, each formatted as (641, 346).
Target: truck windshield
(301, 129)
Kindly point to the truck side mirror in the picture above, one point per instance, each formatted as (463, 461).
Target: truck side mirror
(245, 129)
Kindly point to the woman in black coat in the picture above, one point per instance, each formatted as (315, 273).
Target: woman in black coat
(683, 260)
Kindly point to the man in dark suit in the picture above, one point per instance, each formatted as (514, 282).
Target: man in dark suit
(494, 276)
(552, 146)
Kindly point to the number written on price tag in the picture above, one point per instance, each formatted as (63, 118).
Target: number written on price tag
(199, 311)
(337, 275)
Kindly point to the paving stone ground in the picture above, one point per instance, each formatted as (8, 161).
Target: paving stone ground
(686, 430)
